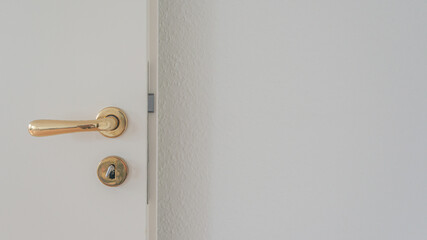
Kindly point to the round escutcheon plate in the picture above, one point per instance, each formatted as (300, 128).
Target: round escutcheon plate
(112, 171)
(121, 118)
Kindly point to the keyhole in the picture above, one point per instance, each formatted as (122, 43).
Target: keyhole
(111, 172)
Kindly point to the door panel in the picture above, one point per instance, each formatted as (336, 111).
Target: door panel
(68, 60)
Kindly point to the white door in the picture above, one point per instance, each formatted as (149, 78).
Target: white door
(67, 60)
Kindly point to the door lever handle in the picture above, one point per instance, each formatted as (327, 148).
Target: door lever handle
(110, 122)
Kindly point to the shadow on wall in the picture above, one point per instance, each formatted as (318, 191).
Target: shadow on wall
(184, 156)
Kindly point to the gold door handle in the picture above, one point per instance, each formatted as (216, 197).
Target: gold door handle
(110, 122)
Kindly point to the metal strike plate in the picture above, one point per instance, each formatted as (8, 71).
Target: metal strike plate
(112, 171)
(151, 101)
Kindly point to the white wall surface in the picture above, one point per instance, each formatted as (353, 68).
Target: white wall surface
(293, 119)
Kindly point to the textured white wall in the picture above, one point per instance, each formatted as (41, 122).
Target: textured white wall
(293, 119)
